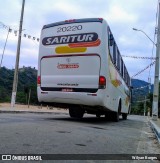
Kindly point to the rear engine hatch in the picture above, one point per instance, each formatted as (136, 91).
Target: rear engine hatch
(70, 73)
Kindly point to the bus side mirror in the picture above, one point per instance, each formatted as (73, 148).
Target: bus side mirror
(111, 40)
(131, 87)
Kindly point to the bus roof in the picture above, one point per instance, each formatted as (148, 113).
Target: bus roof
(74, 21)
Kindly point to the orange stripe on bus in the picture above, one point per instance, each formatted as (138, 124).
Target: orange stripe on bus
(87, 44)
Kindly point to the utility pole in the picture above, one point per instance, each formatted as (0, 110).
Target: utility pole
(15, 81)
(145, 106)
(156, 77)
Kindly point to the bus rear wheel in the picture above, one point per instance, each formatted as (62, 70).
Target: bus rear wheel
(115, 116)
(108, 115)
(124, 116)
(98, 115)
(76, 112)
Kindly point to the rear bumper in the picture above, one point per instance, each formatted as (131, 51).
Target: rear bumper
(80, 98)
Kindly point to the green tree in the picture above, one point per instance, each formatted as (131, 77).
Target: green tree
(21, 98)
(138, 108)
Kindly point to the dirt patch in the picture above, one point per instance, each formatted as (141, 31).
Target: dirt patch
(7, 106)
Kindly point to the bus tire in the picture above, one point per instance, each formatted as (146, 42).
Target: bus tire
(115, 116)
(76, 112)
(129, 110)
(98, 115)
(124, 116)
(108, 115)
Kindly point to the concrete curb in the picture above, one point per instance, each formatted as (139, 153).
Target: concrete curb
(28, 111)
(156, 129)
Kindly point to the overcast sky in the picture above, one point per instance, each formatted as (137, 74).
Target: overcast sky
(121, 15)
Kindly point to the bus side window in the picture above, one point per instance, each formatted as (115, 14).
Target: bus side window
(111, 39)
(118, 60)
(121, 67)
(129, 81)
(127, 78)
(111, 44)
(125, 74)
(114, 53)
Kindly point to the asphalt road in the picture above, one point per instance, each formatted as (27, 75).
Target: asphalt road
(57, 133)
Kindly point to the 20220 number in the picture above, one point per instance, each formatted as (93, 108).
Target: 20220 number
(69, 28)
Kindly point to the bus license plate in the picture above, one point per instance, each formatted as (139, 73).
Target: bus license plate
(67, 90)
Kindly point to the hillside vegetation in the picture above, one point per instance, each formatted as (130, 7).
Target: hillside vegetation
(27, 79)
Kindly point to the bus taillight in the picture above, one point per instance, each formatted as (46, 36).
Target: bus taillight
(102, 82)
(39, 80)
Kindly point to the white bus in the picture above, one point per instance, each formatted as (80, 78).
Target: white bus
(80, 68)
